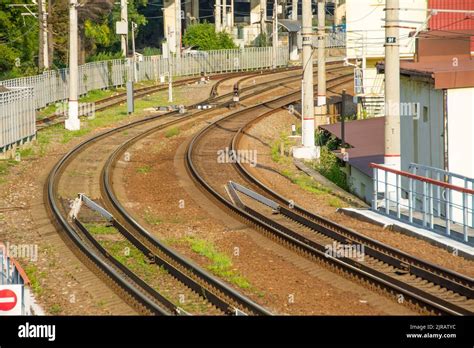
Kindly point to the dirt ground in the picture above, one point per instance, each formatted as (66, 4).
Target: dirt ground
(269, 129)
(166, 202)
(60, 281)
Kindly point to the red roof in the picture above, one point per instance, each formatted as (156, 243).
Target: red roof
(451, 21)
(366, 138)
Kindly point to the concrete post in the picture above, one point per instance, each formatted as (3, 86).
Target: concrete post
(178, 29)
(124, 18)
(43, 59)
(195, 9)
(392, 85)
(294, 10)
(218, 16)
(263, 17)
(321, 53)
(275, 33)
(73, 122)
(308, 92)
(293, 37)
(169, 23)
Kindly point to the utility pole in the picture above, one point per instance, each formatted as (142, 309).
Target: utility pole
(43, 59)
(293, 36)
(218, 18)
(321, 56)
(275, 33)
(177, 30)
(263, 17)
(124, 18)
(308, 91)
(170, 73)
(73, 122)
(294, 10)
(392, 85)
(134, 28)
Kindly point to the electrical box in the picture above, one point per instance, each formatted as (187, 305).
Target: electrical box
(121, 28)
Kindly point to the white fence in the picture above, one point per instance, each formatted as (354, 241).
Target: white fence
(17, 116)
(52, 86)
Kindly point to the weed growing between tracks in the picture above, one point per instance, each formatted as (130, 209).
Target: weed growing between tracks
(136, 261)
(280, 154)
(220, 264)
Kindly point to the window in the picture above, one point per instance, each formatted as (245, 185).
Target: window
(425, 114)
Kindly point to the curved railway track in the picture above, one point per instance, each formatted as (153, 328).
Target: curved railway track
(430, 288)
(119, 98)
(132, 288)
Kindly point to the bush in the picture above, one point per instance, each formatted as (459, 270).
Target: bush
(203, 36)
(329, 166)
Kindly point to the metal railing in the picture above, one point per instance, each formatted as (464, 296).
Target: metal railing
(368, 82)
(52, 86)
(17, 116)
(434, 203)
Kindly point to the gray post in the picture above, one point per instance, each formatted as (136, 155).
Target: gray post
(134, 27)
(321, 53)
(308, 92)
(392, 85)
(130, 101)
(218, 16)
(170, 73)
(124, 18)
(73, 122)
(275, 33)
(43, 58)
(178, 28)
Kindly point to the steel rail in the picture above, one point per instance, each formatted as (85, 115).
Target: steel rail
(144, 303)
(447, 278)
(259, 222)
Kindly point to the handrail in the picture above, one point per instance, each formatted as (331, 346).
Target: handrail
(423, 179)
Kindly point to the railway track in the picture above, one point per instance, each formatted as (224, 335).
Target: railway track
(119, 98)
(145, 300)
(410, 280)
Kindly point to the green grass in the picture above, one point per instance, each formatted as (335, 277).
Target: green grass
(35, 278)
(336, 202)
(152, 219)
(145, 169)
(172, 132)
(100, 229)
(26, 152)
(5, 166)
(220, 263)
(55, 309)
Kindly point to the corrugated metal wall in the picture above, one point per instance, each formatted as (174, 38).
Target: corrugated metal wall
(451, 21)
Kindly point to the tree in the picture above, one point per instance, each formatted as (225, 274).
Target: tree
(203, 36)
(18, 41)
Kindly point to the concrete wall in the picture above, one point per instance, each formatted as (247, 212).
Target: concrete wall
(461, 131)
(422, 140)
(365, 19)
(461, 140)
(360, 184)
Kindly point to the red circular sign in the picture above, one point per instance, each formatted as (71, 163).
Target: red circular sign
(7, 300)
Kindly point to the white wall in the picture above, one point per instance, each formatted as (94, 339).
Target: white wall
(461, 139)
(425, 143)
(365, 19)
(461, 131)
(355, 180)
